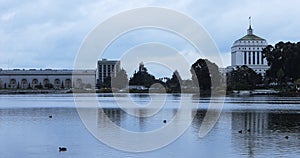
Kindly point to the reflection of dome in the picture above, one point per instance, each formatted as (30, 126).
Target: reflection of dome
(248, 51)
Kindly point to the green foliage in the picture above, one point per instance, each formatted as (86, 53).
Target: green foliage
(48, 86)
(174, 83)
(204, 72)
(40, 86)
(243, 78)
(106, 82)
(120, 80)
(283, 60)
(142, 78)
(29, 86)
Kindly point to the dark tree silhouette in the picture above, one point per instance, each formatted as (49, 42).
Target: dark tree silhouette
(243, 78)
(283, 60)
(120, 80)
(204, 72)
(142, 77)
(174, 83)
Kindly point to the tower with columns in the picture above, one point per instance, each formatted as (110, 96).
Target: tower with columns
(248, 51)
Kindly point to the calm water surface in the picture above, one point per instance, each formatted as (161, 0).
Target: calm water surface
(27, 131)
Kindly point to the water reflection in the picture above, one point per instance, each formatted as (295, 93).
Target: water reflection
(136, 123)
(262, 133)
(25, 132)
(284, 122)
(250, 122)
(251, 133)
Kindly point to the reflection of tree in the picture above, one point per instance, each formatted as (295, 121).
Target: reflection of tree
(284, 122)
(199, 115)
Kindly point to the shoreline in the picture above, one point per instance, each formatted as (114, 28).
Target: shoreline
(228, 93)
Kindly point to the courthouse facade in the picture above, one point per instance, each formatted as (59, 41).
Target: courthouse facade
(248, 51)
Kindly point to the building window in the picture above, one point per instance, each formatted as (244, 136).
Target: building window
(249, 58)
(257, 58)
(245, 58)
(253, 54)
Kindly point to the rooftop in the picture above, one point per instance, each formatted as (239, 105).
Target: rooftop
(251, 37)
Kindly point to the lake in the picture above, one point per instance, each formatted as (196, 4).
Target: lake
(249, 126)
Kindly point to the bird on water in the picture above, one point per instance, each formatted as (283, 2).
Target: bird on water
(61, 149)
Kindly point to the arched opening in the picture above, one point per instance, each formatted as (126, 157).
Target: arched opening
(57, 83)
(79, 83)
(24, 84)
(68, 83)
(35, 83)
(12, 83)
(47, 84)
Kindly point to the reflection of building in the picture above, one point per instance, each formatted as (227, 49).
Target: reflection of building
(255, 121)
(247, 128)
(58, 79)
(107, 68)
(248, 51)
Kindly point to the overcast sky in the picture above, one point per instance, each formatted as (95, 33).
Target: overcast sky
(48, 33)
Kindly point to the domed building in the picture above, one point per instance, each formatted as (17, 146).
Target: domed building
(248, 51)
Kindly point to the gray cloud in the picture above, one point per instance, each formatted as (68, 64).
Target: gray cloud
(44, 33)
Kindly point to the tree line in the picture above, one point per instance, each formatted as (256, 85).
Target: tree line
(283, 59)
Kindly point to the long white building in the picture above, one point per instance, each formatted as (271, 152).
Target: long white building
(48, 78)
(248, 51)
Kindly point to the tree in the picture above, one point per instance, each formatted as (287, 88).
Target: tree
(106, 82)
(142, 77)
(243, 78)
(120, 80)
(48, 86)
(40, 86)
(174, 83)
(204, 73)
(283, 60)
